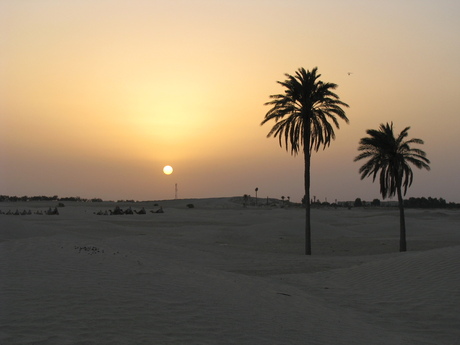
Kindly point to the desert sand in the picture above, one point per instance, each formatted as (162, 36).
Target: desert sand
(220, 273)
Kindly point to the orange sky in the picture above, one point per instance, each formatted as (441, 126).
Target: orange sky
(97, 96)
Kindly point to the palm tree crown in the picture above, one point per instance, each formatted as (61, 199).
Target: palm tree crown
(391, 156)
(303, 111)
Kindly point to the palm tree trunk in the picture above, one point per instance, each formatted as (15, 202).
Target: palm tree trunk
(307, 200)
(402, 222)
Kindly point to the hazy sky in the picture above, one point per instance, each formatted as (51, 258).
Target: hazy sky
(96, 96)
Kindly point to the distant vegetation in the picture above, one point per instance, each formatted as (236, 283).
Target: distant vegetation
(358, 202)
(408, 203)
(4, 198)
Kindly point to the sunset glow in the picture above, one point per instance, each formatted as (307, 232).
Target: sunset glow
(97, 95)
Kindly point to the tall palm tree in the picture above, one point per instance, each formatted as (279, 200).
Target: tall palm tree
(391, 156)
(302, 116)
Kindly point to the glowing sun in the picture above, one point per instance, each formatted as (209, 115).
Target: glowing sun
(168, 170)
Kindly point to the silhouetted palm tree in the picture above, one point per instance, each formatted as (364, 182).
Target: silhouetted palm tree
(391, 156)
(302, 116)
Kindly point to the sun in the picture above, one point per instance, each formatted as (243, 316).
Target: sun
(168, 170)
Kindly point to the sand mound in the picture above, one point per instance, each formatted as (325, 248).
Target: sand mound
(415, 291)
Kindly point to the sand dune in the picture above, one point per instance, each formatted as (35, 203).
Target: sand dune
(223, 274)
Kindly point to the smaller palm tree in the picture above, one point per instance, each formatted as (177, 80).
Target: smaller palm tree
(391, 156)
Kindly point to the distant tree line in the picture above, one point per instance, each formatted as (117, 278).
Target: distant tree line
(408, 203)
(412, 203)
(4, 198)
(429, 203)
